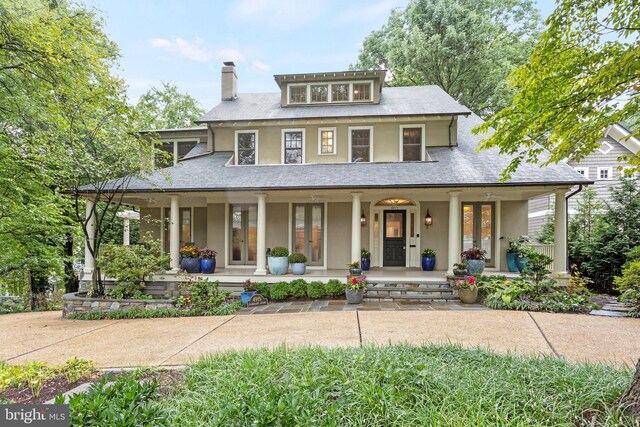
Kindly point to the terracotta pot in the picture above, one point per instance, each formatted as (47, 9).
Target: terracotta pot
(468, 296)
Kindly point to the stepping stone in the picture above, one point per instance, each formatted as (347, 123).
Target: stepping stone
(617, 307)
(79, 389)
(607, 313)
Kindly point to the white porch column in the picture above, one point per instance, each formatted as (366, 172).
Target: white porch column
(356, 228)
(90, 241)
(125, 233)
(261, 238)
(454, 229)
(497, 254)
(174, 233)
(560, 234)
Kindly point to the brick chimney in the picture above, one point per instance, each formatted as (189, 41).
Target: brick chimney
(229, 82)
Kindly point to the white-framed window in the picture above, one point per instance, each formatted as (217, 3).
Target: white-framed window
(297, 94)
(361, 144)
(582, 170)
(605, 147)
(605, 173)
(412, 142)
(246, 149)
(185, 224)
(361, 91)
(293, 146)
(176, 149)
(339, 92)
(327, 141)
(319, 93)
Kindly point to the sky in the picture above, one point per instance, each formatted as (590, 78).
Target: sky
(184, 42)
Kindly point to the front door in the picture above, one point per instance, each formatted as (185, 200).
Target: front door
(394, 243)
(477, 228)
(243, 234)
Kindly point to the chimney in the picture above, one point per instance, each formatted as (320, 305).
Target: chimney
(229, 82)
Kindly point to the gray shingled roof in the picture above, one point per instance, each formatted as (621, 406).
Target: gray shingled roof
(394, 101)
(459, 166)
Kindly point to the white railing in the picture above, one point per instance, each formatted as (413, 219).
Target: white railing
(545, 250)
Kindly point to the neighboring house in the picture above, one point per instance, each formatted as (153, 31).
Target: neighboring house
(601, 166)
(334, 162)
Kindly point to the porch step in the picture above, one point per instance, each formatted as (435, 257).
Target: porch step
(412, 292)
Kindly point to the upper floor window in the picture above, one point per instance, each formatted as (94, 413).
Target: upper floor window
(293, 141)
(583, 171)
(339, 92)
(360, 144)
(319, 93)
(175, 151)
(327, 141)
(298, 94)
(246, 147)
(605, 173)
(361, 91)
(412, 142)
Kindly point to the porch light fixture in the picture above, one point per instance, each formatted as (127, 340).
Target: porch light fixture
(428, 220)
(363, 219)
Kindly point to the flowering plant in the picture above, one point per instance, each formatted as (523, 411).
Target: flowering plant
(474, 253)
(468, 282)
(207, 253)
(357, 282)
(189, 252)
(354, 264)
(249, 286)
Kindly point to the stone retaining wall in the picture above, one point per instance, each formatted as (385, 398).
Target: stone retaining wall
(72, 303)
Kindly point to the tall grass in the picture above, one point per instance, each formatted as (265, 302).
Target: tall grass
(395, 386)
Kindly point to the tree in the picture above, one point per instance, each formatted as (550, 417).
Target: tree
(583, 76)
(167, 108)
(582, 227)
(467, 47)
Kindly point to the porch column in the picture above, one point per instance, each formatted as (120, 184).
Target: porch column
(497, 254)
(174, 233)
(560, 234)
(125, 235)
(90, 240)
(261, 240)
(355, 227)
(454, 229)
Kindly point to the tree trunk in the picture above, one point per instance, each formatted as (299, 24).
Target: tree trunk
(72, 282)
(629, 402)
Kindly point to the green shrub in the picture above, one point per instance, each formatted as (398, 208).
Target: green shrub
(536, 267)
(74, 369)
(206, 296)
(35, 374)
(264, 289)
(280, 291)
(137, 313)
(334, 288)
(316, 290)
(629, 284)
(279, 251)
(298, 288)
(10, 375)
(297, 258)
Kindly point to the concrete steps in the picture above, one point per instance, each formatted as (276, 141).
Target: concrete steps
(410, 292)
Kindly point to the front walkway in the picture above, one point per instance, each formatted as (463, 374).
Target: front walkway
(45, 336)
(342, 305)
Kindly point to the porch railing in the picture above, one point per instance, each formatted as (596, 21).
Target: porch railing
(545, 250)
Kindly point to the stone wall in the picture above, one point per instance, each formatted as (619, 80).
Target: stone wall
(72, 303)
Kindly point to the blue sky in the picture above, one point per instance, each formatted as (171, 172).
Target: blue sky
(184, 42)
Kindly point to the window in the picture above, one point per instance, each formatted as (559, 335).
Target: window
(361, 91)
(327, 141)
(411, 143)
(246, 147)
(583, 171)
(184, 223)
(629, 173)
(605, 173)
(293, 141)
(339, 92)
(319, 93)
(360, 144)
(605, 148)
(175, 151)
(298, 94)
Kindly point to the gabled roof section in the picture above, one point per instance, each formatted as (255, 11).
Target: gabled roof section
(621, 135)
(283, 79)
(394, 101)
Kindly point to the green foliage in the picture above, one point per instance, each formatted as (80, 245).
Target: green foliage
(466, 47)
(74, 369)
(12, 306)
(280, 291)
(225, 309)
(536, 267)
(364, 253)
(546, 234)
(206, 296)
(334, 288)
(131, 266)
(629, 284)
(395, 385)
(35, 374)
(428, 253)
(264, 289)
(279, 251)
(167, 108)
(127, 402)
(580, 79)
(315, 290)
(10, 375)
(298, 288)
(296, 258)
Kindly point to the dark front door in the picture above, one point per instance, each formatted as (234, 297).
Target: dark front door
(394, 245)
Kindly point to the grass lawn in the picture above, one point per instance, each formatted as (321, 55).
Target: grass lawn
(395, 386)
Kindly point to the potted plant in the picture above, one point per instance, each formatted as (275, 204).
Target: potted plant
(279, 260)
(190, 261)
(365, 259)
(459, 269)
(474, 260)
(467, 289)
(250, 289)
(355, 289)
(428, 259)
(518, 248)
(208, 261)
(297, 261)
(354, 268)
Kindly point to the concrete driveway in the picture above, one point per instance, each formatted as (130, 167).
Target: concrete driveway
(45, 336)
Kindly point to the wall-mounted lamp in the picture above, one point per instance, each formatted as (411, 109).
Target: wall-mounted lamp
(363, 219)
(428, 220)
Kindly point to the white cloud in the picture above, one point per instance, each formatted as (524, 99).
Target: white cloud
(260, 66)
(280, 14)
(195, 50)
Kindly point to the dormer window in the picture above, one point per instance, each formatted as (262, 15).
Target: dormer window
(340, 92)
(361, 91)
(319, 93)
(298, 94)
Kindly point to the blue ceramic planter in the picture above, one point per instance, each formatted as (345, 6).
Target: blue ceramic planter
(298, 268)
(190, 265)
(512, 262)
(428, 263)
(522, 261)
(208, 266)
(365, 263)
(474, 266)
(246, 296)
(278, 264)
